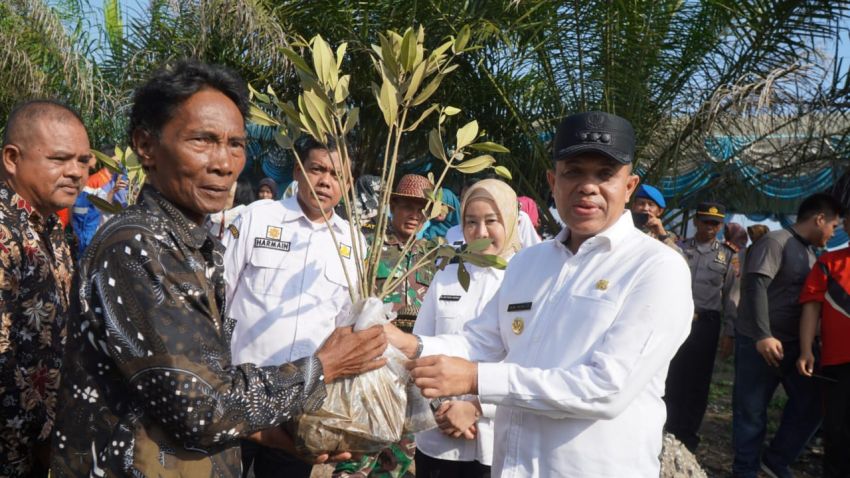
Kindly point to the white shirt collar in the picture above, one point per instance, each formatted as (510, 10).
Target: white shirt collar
(611, 237)
(293, 212)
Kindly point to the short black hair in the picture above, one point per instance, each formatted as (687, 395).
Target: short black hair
(24, 114)
(307, 143)
(155, 101)
(819, 203)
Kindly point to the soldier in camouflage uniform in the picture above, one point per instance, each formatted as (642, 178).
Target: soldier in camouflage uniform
(649, 200)
(406, 204)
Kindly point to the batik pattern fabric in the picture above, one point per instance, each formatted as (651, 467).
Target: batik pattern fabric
(407, 297)
(148, 388)
(35, 284)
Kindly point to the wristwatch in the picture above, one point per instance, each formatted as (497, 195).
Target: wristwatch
(419, 346)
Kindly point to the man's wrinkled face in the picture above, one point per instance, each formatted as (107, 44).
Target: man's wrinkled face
(198, 154)
(590, 192)
(407, 215)
(322, 170)
(48, 165)
(646, 205)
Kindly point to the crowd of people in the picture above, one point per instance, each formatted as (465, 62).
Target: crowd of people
(175, 337)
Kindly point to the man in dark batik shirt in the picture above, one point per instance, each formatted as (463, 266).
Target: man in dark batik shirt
(45, 151)
(149, 389)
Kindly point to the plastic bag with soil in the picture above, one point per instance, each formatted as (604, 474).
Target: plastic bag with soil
(368, 412)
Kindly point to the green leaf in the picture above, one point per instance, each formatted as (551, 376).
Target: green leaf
(479, 245)
(351, 120)
(324, 63)
(462, 39)
(428, 90)
(463, 276)
(271, 91)
(475, 165)
(451, 111)
(296, 60)
(107, 161)
(503, 172)
(466, 134)
(262, 98)
(340, 54)
(388, 102)
(104, 205)
(318, 110)
(422, 117)
(341, 90)
(260, 117)
(436, 52)
(435, 144)
(283, 140)
(388, 56)
(484, 260)
(446, 251)
(408, 49)
(489, 147)
(415, 81)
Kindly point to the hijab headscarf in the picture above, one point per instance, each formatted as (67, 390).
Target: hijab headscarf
(504, 199)
(438, 228)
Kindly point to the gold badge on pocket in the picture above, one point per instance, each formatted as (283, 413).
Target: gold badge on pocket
(518, 325)
(602, 285)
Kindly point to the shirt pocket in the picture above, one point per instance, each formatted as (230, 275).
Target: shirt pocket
(266, 275)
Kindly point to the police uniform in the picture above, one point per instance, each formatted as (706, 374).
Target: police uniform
(714, 282)
(285, 285)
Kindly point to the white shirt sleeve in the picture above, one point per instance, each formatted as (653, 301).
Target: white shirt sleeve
(481, 340)
(650, 326)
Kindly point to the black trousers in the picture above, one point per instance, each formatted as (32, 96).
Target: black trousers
(689, 379)
(429, 467)
(836, 423)
(271, 462)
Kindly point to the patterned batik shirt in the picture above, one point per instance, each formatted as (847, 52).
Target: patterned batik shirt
(407, 297)
(148, 388)
(35, 284)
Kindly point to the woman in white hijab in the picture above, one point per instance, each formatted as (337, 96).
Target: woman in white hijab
(462, 445)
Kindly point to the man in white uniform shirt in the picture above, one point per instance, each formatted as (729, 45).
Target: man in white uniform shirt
(574, 347)
(285, 280)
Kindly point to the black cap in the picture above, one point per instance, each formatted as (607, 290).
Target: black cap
(595, 132)
(711, 211)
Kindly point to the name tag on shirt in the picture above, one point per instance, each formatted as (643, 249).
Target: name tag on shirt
(450, 298)
(517, 307)
(266, 243)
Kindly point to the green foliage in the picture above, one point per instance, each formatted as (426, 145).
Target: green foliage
(322, 110)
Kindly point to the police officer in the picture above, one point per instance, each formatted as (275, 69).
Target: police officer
(287, 280)
(714, 280)
(647, 207)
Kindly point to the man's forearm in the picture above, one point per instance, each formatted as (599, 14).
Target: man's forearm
(809, 325)
(754, 295)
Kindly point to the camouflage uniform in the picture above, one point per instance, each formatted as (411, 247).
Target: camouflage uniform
(407, 297)
(395, 460)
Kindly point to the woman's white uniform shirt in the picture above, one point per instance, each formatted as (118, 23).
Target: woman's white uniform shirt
(445, 310)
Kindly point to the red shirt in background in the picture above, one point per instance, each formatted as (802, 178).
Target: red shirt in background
(828, 283)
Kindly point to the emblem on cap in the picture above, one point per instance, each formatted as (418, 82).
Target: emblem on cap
(602, 284)
(595, 120)
(713, 210)
(518, 325)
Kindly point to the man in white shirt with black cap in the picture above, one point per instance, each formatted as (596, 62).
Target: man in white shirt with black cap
(574, 348)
